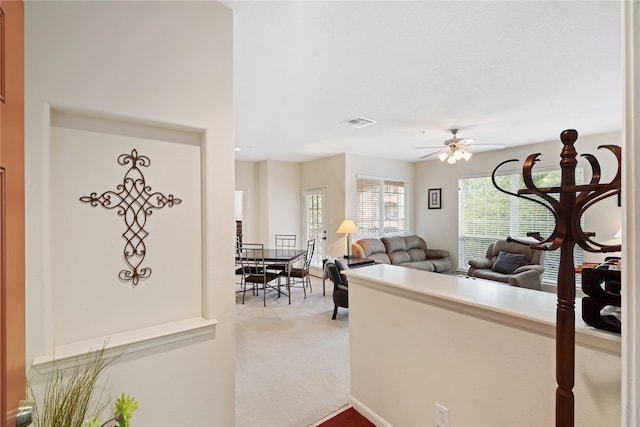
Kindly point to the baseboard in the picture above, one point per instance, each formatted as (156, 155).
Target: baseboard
(368, 413)
(331, 415)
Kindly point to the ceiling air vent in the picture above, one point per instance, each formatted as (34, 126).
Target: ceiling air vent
(358, 122)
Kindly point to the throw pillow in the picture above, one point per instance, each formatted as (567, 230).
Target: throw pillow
(507, 262)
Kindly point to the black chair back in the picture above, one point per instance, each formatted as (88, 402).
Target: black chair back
(334, 274)
(340, 287)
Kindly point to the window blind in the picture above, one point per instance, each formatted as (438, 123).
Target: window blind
(381, 207)
(487, 214)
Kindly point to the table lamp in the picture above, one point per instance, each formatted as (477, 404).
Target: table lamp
(348, 227)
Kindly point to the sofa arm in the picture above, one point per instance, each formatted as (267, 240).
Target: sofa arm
(436, 253)
(529, 279)
(481, 263)
(533, 267)
(357, 251)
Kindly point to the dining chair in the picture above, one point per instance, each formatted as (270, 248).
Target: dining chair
(254, 273)
(284, 242)
(301, 273)
(240, 268)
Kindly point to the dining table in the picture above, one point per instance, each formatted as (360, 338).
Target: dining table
(286, 257)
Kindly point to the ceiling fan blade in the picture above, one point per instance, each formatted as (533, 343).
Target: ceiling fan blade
(428, 146)
(459, 141)
(430, 154)
(490, 145)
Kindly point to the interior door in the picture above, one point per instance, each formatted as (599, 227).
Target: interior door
(12, 297)
(314, 220)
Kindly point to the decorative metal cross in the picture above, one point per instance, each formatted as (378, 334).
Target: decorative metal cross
(135, 202)
(567, 210)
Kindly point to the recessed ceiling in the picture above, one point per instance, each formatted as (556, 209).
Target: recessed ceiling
(502, 72)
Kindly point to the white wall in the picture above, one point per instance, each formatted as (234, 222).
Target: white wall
(274, 197)
(439, 227)
(245, 180)
(167, 65)
(485, 352)
(285, 201)
(328, 173)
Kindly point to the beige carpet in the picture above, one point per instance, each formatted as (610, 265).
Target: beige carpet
(292, 361)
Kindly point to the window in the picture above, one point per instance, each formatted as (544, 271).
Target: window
(314, 214)
(487, 214)
(381, 207)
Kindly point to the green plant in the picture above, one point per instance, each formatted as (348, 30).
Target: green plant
(93, 422)
(69, 396)
(125, 406)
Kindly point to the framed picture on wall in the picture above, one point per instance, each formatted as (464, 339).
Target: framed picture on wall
(435, 195)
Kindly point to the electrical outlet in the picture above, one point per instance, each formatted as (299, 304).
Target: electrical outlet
(442, 416)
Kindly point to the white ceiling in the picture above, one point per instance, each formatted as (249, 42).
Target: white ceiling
(507, 72)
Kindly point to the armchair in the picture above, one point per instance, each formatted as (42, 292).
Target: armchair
(510, 262)
(340, 284)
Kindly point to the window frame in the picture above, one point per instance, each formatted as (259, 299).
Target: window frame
(551, 257)
(384, 207)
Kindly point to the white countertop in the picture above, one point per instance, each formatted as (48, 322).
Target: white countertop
(518, 307)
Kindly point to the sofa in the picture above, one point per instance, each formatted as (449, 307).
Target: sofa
(406, 251)
(510, 262)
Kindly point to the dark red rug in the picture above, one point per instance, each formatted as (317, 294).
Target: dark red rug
(347, 418)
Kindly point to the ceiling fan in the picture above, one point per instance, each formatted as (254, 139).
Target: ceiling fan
(454, 148)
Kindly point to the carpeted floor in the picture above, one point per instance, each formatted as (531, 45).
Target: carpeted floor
(292, 361)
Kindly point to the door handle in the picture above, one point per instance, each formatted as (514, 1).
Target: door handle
(24, 417)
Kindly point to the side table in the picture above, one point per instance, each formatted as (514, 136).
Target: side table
(351, 262)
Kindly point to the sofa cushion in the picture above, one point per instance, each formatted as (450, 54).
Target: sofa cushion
(393, 244)
(420, 265)
(436, 253)
(372, 246)
(399, 257)
(417, 254)
(507, 262)
(374, 249)
(414, 242)
(531, 256)
(416, 247)
(441, 265)
(491, 275)
(396, 249)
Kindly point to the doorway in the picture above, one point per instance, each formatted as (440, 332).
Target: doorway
(314, 214)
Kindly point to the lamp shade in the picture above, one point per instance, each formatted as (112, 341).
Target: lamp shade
(347, 227)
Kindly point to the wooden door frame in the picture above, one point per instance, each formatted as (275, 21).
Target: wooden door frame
(12, 302)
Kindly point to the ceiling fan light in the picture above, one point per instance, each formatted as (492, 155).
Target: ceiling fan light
(466, 155)
(451, 160)
(458, 154)
(443, 156)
